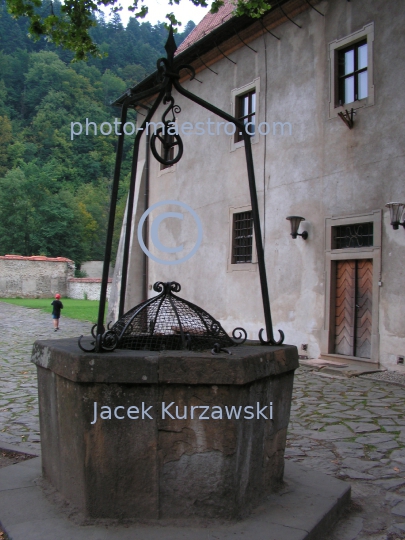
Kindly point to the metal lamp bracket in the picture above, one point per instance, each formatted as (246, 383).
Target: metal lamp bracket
(347, 117)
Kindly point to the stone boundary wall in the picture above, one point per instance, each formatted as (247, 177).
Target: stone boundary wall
(81, 288)
(34, 277)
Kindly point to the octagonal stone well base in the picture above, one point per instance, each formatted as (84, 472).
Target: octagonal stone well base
(148, 465)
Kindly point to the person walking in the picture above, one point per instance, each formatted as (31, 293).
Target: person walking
(57, 306)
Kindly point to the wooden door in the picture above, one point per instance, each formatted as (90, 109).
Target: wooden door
(353, 307)
(364, 302)
(345, 307)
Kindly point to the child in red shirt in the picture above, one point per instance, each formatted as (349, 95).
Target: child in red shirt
(57, 306)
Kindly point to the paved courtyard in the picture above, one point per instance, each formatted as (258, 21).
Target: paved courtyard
(350, 428)
(354, 429)
(19, 328)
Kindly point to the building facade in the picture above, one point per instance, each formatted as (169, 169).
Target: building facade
(321, 87)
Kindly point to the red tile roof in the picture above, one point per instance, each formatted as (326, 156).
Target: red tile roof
(35, 258)
(209, 22)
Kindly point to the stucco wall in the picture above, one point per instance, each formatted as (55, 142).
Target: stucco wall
(86, 288)
(136, 262)
(94, 269)
(322, 170)
(34, 277)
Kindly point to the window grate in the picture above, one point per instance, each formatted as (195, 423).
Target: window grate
(353, 236)
(242, 238)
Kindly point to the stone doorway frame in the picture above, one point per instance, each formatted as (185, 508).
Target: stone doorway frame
(333, 255)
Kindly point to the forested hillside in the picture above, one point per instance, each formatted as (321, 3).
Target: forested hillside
(54, 191)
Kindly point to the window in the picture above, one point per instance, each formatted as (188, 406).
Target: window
(352, 235)
(242, 255)
(353, 73)
(245, 108)
(242, 237)
(169, 154)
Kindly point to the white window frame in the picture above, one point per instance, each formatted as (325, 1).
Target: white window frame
(237, 92)
(367, 32)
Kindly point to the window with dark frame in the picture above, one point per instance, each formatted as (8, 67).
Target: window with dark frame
(169, 156)
(245, 108)
(353, 236)
(353, 73)
(242, 237)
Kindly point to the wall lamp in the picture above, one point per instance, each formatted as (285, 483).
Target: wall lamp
(295, 223)
(396, 211)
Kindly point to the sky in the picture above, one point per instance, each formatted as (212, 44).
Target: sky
(184, 12)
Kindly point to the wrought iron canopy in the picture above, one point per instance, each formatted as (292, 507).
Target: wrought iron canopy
(168, 322)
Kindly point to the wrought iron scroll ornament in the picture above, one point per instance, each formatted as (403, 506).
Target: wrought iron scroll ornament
(106, 341)
(168, 139)
(167, 78)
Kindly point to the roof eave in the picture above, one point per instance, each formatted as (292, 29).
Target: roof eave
(217, 36)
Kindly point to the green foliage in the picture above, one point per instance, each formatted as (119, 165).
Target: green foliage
(16, 213)
(5, 140)
(54, 191)
(251, 8)
(73, 23)
(82, 310)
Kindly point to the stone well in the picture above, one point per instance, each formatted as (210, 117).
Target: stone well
(163, 467)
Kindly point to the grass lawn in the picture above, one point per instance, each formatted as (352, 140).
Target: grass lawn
(83, 310)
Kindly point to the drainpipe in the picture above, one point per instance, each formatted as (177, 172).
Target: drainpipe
(146, 225)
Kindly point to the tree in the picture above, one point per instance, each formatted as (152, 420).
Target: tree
(5, 140)
(69, 24)
(55, 189)
(16, 214)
